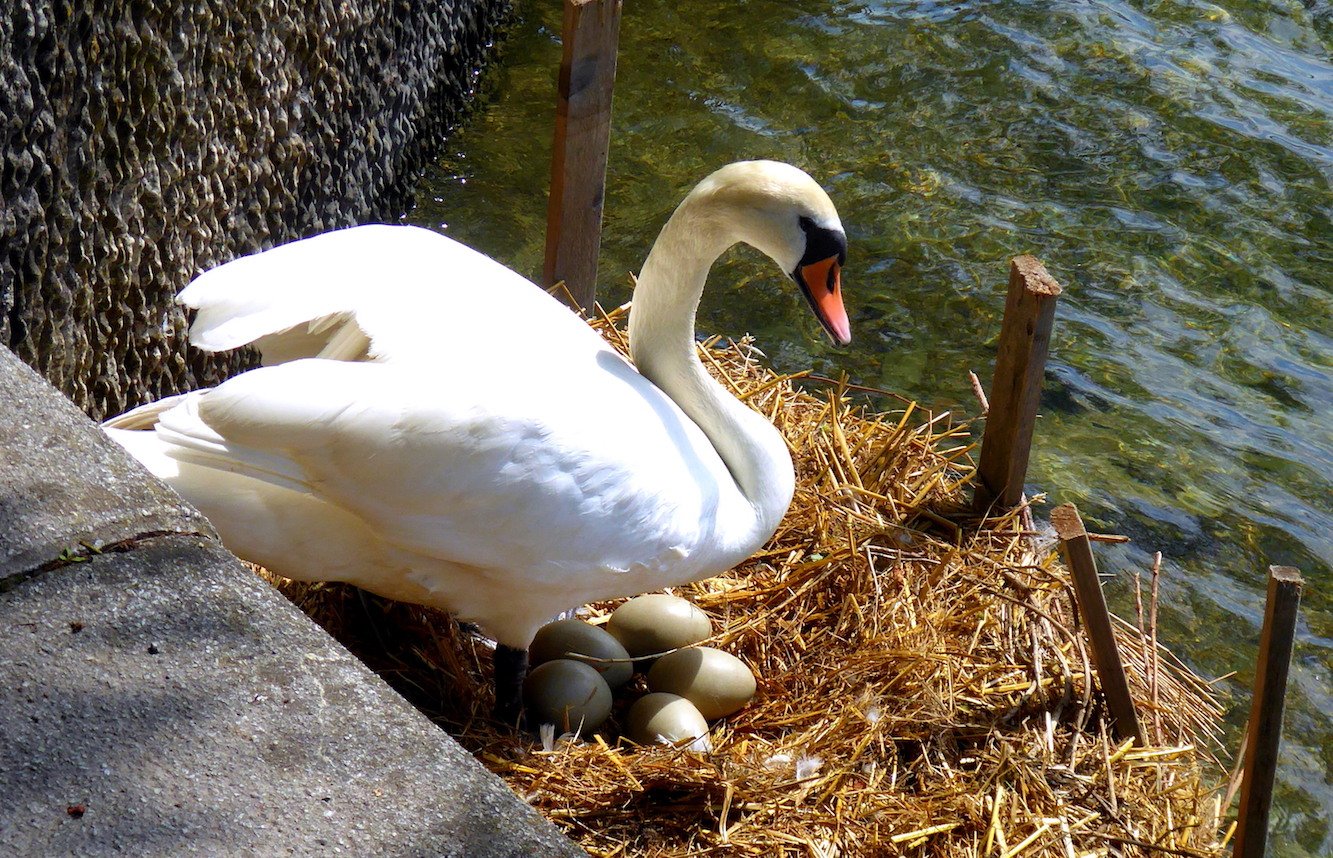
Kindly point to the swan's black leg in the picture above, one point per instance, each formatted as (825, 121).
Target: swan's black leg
(511, 667)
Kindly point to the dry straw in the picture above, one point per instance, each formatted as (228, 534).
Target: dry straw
(923, 684)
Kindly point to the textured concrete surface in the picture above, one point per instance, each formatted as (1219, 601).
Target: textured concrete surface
(159, 699)
(142, 143)
(62, 483)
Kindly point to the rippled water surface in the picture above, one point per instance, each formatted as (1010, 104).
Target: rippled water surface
(1169, 161)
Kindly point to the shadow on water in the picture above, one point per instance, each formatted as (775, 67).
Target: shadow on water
(1169, 161)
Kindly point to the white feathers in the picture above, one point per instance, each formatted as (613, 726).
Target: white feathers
(433, 427)
(808, 766)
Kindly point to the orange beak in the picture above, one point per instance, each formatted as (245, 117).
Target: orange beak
(822, 284)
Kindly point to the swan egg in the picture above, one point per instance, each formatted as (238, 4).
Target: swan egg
(569, 694)
(655, 623)
(578, 641)
(668, 719)
(716, 682)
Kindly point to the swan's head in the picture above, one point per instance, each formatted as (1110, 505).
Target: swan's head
(781, 211)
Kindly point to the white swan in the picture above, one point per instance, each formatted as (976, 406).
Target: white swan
(434, 428)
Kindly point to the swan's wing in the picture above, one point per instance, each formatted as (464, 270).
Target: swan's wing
(561, 481)
(368, 292)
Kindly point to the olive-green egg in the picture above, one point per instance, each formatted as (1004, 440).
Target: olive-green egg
(573, 638)
(667, 718)
(716, 682)
(655, 623)
(569, 694)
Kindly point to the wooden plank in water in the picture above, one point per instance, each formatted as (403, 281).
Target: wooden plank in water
(1097, 620)
(582, 140)
(1270, 691)
(1025, 337)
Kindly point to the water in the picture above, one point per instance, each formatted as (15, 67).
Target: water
(1169, 161)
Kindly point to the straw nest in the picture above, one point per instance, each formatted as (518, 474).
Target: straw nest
(924, 687)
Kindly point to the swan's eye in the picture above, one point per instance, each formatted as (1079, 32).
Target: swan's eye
(822, 242)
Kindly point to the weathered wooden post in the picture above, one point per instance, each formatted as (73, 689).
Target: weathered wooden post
(582, 140)
(1025, 337)
(1097, 620)
(1265, 729)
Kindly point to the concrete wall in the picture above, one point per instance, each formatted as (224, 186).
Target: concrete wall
(143, 141)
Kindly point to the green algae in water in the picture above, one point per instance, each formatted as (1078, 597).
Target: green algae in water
(1170, 162)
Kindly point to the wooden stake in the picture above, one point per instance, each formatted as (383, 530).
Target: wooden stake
(1097, 620)
(1025, 336)
(582, 140)
(1265, 728)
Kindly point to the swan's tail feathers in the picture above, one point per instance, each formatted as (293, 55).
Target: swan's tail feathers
(189, 439)
(145, 416)
(149, 449)
(139, 431)
(168, 434)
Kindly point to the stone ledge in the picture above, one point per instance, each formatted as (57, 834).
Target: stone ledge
(162, 700)
(63, 483)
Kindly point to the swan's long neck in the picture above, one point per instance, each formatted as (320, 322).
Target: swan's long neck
(661, 334)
